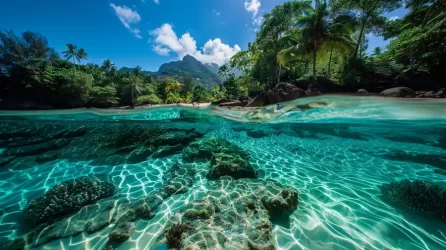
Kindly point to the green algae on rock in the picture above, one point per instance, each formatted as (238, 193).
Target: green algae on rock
(67, 197)
(203, 149)
(418, 196)
(233, 214)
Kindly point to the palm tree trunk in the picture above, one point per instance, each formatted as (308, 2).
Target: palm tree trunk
(279, 73)
(361, 34)
(329, 63)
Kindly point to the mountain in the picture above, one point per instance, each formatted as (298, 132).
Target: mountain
(126, 69)
(188, 67)
(213, 67)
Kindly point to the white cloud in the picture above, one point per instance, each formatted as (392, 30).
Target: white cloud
(394, 18)
(214, 51)
(218, 13)
(161, 50)
(157, 1)
(253, 7)
(128, 17)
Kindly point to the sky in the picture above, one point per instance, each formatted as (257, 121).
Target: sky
(147, 33)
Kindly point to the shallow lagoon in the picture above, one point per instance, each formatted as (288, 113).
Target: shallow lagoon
(335, 151)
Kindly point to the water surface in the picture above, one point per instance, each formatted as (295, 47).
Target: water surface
(334, 150)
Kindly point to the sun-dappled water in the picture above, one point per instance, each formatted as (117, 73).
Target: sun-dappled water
(171, 164)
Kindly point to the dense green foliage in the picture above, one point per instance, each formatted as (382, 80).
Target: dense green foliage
(330, 37)
(31, 71)
(298, 42)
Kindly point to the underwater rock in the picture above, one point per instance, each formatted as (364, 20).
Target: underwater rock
(16, 244)
(67, 197)
(122, 232)
(418, 196)
(231, 215)
(6, 160)
(92, 218)
(140, 154)
(234, 165)
(175, 234)
(116, 215)
(36, 149)
(177, 180)
(164, 151)
(204, 148)
(50, 156)
(435, 160)
(398, 92)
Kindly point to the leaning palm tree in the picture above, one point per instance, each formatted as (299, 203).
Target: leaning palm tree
(71, 53)
(134, 83)
(82, 55)
(315, 33)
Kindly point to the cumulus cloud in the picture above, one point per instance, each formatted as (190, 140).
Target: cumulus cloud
(253, 7)
(214, 51)
(394, 18)
(128, 17)
(157, 1)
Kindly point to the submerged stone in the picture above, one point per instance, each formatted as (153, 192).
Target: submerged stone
(232, 165)
(67, 197)
(204, 148)
(418, 196)
(233, 214)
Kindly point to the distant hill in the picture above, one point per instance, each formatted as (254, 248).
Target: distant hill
(188, 67)
(126, 69)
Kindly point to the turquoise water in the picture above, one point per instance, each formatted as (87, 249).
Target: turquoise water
(335, 151)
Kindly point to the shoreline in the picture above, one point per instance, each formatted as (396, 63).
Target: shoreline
(128, 109)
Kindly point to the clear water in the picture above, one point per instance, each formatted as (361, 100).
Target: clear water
(334, 150)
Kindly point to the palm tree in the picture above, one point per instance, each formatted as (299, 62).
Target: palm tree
(71, 52)
(223, 71)
(316, 33)
(377, 51)
(138, 71)
(82, 55)
(135, 84)
(173, 86)
(107, 65)
(173, 97)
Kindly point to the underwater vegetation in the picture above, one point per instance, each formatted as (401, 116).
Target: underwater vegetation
(419, 196)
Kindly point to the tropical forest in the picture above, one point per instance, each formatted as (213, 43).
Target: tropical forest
(320, 45)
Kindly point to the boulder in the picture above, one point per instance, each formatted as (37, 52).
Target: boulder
(221, 101)
(417, 79)
(231, 104)
(398, 92)
(363, 92)
(259, 101)
(283, 92)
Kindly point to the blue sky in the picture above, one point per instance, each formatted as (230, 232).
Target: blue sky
(146, 32)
